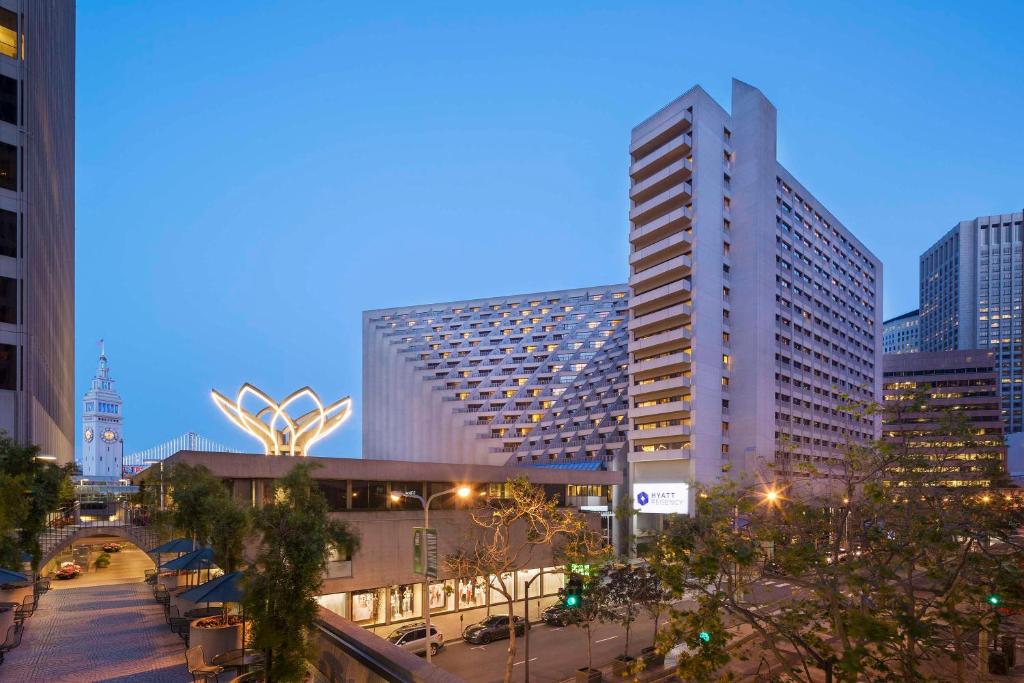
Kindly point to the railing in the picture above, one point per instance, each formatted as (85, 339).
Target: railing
(67, 523)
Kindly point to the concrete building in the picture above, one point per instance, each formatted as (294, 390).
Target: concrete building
(752, 308)
(957, 385)
(470, 381)
(377, 586)
(900, 334)
(37, 223)
(970, 297)
(102, 426)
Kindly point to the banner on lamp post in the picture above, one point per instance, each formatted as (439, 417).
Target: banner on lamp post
(421, 535)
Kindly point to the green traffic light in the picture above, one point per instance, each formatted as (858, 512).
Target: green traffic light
(571, 601)
(704, 636)
(994, 599)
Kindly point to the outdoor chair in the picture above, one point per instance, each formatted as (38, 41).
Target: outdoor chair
(150, 576)
(12, 640)
(26, 608)
(197, 666)
(180, 626)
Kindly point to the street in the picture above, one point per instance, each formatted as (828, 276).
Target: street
(557, 652)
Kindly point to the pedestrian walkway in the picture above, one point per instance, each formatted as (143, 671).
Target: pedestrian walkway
(98, 633)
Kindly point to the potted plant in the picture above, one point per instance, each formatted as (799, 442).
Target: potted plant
(68, 571)
(103, 561)
(111, 547)
(217, 634)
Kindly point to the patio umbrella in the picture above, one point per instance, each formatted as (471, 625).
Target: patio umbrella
(193, 561)
(224, 589)
(177, 545)
(7, 576)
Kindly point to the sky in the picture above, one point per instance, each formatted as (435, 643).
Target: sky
(251, 175)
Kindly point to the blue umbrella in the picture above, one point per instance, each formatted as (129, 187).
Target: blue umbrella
(197, 559)
(226, 588)
(7, 576)
(177, 545)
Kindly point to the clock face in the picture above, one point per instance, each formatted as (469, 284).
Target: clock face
(88, 435)
(109, 436)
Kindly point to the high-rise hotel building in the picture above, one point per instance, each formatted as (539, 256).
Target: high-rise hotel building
(37, 223)
(749, 315)
(753, 310)
(971, 282)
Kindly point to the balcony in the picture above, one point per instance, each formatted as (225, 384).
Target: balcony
(672, 384)
(672, 269)
(666, 454)
(672, 316)
(655, 341)
(676, 148)
(680, 360)
(674, 432)
(673, 174)
(644, 144)
(661, 204)
(676, 243)
(676, 220)
(660, 297)
(670, 410)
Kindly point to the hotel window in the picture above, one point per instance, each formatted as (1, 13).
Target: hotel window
(8, 366)
(8, 233)
(336, 493)
(8, 300)
(472, 592)
(9, 100)
(369, 495)
(8, 167)
(8, 33)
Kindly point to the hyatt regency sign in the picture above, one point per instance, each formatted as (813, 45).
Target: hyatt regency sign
(662, 498)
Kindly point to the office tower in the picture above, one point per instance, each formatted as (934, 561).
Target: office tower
(900, 334)
(470, 381)
(752, 309)
(102, 426)
(971, 282)
(956, 386)
(37, 223)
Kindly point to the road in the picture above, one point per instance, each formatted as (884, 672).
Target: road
(557, 652)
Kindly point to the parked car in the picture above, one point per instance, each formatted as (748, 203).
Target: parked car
(413, 637)
(493, 627)
(558, 614)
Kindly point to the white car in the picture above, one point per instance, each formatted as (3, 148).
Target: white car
(413, 637)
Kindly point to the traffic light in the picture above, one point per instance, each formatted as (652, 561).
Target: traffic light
(574, 591)
(705, 636)
(995, 600)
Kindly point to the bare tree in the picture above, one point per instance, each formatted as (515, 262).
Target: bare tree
(509, 531)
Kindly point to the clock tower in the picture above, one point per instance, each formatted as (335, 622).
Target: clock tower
(102, 442)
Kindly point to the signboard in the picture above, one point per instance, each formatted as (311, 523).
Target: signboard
(417, 551)
(662, 499)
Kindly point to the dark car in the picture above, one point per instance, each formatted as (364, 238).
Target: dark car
(492, 628)
(557, 615)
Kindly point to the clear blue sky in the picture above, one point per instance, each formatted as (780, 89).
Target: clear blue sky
(252, 175)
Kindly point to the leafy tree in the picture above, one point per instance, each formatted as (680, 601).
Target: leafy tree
(227, 536)
(198, 498)
(629, 592)
(30, 489)
(891, 566)
(594, 607)
(297, 535)
(510, 530)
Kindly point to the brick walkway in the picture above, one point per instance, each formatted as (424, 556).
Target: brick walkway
(98, 633)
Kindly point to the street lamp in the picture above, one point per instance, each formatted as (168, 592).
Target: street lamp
(161, 463)
(396, 496)
(47, 458)
(771, 496)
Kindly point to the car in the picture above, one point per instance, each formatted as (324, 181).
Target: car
(493, 627)
(558, 614)
(413, 637)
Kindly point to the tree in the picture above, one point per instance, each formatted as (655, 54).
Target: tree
(30, 489)
(891, 565)
(197, 499)
(629, 592)
(297, 535)
(227, 536)
(594, 607)
(510, 530)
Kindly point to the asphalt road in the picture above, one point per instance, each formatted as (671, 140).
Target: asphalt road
(557, 652)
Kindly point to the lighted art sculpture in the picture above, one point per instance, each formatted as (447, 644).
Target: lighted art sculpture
(271, 424)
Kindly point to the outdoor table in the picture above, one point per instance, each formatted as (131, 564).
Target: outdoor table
(200, 612)
(243, 660)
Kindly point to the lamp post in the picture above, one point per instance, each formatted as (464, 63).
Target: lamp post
(771, 496)
(161, 463)
(461, 492)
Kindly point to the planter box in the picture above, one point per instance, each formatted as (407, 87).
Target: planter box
(621, 665)
(217, 640)
(652, 658)
(588, 675)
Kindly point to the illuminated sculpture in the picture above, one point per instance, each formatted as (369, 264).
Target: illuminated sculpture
(279, 433)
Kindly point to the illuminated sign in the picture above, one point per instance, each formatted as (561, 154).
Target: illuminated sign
(662, 498)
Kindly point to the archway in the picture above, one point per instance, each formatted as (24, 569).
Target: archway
(126, 565)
